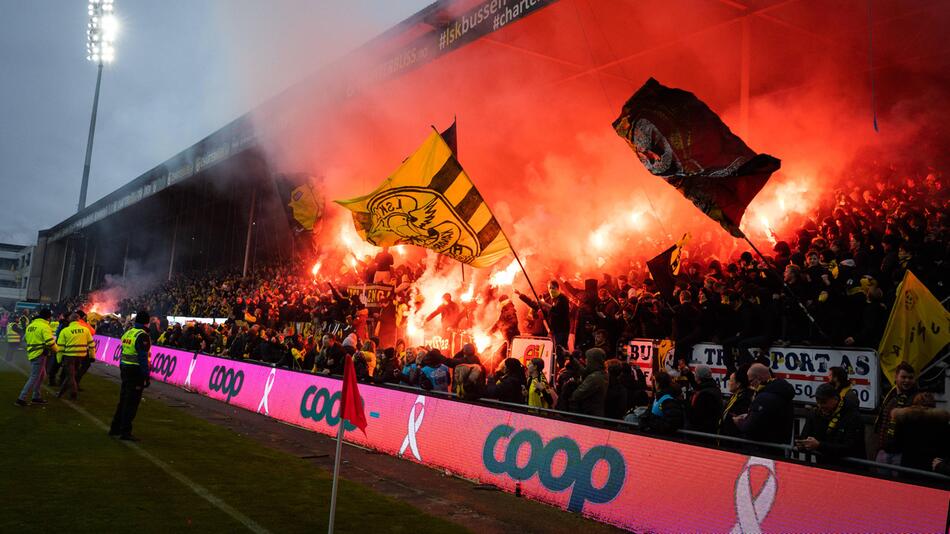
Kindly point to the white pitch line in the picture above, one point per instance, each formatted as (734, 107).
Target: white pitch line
(199, 490)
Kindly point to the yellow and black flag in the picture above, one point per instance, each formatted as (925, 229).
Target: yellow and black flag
(430, 201)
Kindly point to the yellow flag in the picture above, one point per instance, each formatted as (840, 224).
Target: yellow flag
(918, 329)
(305, 207)
(430, 201)
(675, 262)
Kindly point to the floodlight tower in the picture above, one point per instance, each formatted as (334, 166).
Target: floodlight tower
(100, 40)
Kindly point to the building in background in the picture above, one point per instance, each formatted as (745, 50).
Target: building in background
(14, 273)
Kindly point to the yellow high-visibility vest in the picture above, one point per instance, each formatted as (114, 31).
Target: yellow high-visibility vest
(129, 355)
(12, 335)
(39, 337)
(76, 341)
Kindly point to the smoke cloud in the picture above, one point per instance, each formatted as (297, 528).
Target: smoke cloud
(535, 124)
(139, 278)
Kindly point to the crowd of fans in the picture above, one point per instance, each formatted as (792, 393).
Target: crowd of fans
(839, 273)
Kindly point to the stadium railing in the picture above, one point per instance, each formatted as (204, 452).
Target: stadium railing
(783, 451)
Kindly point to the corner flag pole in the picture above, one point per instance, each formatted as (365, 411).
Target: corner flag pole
(336, 466)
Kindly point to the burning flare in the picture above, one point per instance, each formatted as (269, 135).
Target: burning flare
(506, 276)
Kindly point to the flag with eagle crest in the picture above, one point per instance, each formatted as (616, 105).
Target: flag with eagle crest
(430, 201)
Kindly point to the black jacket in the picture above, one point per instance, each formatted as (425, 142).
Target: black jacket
(671, 418)
(739, 406)
(771, 414)
(845, 439)
(509, 388)
(590, 395)
(615, 405)
(922, 434)
(705, 406)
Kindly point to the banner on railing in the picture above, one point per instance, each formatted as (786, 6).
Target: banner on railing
(640, 352)
(628, 480)
(527, 348)
(185, 320)
(372, 296)
(803, 367)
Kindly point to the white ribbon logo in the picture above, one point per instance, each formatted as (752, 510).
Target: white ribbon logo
(191, 369)
(267, 387)
(751, 510)
(414, 424)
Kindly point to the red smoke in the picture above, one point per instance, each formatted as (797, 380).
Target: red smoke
(534, 120)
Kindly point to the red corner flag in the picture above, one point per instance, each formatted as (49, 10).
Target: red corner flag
(351, 400)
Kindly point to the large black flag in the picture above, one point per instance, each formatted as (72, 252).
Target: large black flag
(678, 137)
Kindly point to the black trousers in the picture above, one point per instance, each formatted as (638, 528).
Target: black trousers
(130, 395)
(52, 369)
(71, 365)
(83, 367)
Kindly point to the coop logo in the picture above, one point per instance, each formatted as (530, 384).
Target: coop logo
(226, 381)
(318, 404)
(163, 365)
(578, 469)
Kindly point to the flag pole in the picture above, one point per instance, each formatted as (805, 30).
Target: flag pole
(510, 246)
(785, 286)
(336, 466)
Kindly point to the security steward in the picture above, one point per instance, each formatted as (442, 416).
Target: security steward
(53, 366)
(86, 362)
(3, 340)
(14, 335)
(40, 345)
(76, 345)
(134, 368)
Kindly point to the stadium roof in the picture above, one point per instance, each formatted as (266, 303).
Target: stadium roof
(614, 41)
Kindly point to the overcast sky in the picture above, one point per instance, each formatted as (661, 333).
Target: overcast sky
(183, 69)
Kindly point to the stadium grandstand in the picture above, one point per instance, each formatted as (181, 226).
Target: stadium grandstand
(622, 366)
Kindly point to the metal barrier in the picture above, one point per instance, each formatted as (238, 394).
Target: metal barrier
(785, 449)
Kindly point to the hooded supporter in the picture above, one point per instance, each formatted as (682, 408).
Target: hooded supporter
(591, 394)
(387, 367)
(615, 404)
(435, 374)
(568, 378)
(510, 385)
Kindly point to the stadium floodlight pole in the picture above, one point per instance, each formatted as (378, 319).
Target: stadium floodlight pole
(100, 40)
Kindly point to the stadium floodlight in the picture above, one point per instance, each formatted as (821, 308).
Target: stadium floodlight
(101, 32)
